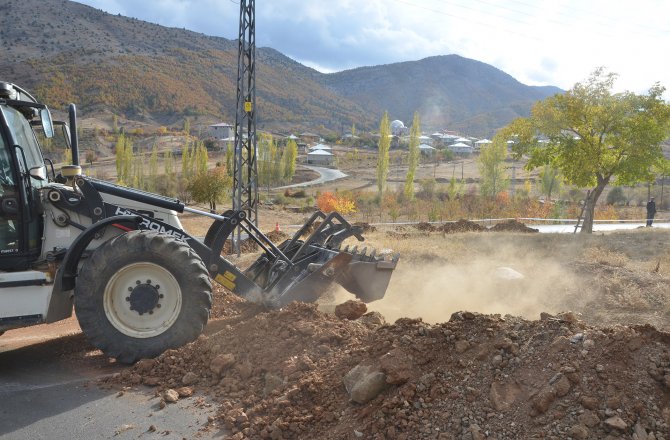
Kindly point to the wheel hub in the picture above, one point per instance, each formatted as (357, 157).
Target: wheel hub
(144, 297)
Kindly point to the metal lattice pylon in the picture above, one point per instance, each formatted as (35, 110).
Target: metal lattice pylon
(245, 175)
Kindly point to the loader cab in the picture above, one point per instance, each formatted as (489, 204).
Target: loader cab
(22, 173)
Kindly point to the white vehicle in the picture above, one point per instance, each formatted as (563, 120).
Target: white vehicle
(138, 282)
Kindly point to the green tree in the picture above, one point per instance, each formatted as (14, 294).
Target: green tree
(211, 187)
(594, 136)
(152, 180)
(289, 159)
(200, 159)
(170, 180)
(491, 164)
(414, 154)
(120, 157)
(383, 152)
(230, 156)
(550, 180)
(187, 126)
(124, 160)
(455, 188)
(187, 154)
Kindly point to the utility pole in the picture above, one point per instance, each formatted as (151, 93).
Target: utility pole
(245, 175)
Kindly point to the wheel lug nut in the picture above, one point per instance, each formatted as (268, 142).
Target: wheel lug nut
(138, 282)
(148, 281)
(160, 295)
(151, 312)
(158, 306)
(128, 298)
(130, 289)
(158, 286)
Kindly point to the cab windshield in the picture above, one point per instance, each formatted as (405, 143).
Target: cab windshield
(23, 135)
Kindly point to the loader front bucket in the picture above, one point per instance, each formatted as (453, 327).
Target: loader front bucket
(306, 269)
(368, 280)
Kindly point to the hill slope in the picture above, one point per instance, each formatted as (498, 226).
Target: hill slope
(448, 91)
(68, 52)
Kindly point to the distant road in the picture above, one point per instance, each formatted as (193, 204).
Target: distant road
(325, 175)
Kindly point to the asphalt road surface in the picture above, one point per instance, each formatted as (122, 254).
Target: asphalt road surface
(48, 391)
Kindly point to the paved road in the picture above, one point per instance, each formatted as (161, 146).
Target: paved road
(597, 227)
(326, 175)
(47, 391)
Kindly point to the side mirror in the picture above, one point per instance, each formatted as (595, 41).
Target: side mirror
(47, 124)
(38, 173)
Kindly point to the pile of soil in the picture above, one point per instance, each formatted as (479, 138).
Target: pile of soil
(366, 227)
(462, 226)
(277, 236)
(246, 246)
(297, 373)
(512, 226)
(425, 227)
(400, 233)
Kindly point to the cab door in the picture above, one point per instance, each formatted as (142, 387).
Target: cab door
(20, 221)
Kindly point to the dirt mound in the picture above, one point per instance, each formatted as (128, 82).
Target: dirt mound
(512, 226)
(298, 373)
(400, 233)
(425, 227)
(366, 227)
(277, 236)
(462, 226)
(246, 246)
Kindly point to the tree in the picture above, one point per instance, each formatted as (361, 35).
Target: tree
(414, 154)
(211, 187)
(550, 180)
(91, 156)
(491, 163)
(152, 181)
(383, 152)
(170, 181)
(594, 137)
(289, 158)
(187, 126)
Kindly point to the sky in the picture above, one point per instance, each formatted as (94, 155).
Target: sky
(538, 42)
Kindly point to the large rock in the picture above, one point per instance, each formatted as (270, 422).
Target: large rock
(221, 363)
(364, 383)
(351, 310)
(398, 366)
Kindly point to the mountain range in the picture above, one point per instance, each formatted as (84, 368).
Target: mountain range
(65, 52)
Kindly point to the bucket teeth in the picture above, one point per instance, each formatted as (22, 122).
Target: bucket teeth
(365, 249)
(346, 248)
(354, 250)
(372, 254)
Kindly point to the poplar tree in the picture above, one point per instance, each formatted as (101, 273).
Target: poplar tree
(414, 153)
(153, 170)
(289, 158)
(383, 153)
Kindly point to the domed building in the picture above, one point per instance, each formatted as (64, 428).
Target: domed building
(398, 128)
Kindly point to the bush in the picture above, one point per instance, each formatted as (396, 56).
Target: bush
(616, 196)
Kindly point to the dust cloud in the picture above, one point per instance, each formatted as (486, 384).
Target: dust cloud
(503, 282)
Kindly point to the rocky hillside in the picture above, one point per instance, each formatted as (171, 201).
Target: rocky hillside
(68, 52)
(448, 91)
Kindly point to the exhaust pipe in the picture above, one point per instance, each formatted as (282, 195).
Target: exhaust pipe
(74, 137)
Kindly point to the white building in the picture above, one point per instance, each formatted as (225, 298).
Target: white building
(461, 148)
(222, 130)
(320, 157)
(427, 149)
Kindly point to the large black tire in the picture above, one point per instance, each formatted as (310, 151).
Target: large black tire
(142, 293)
